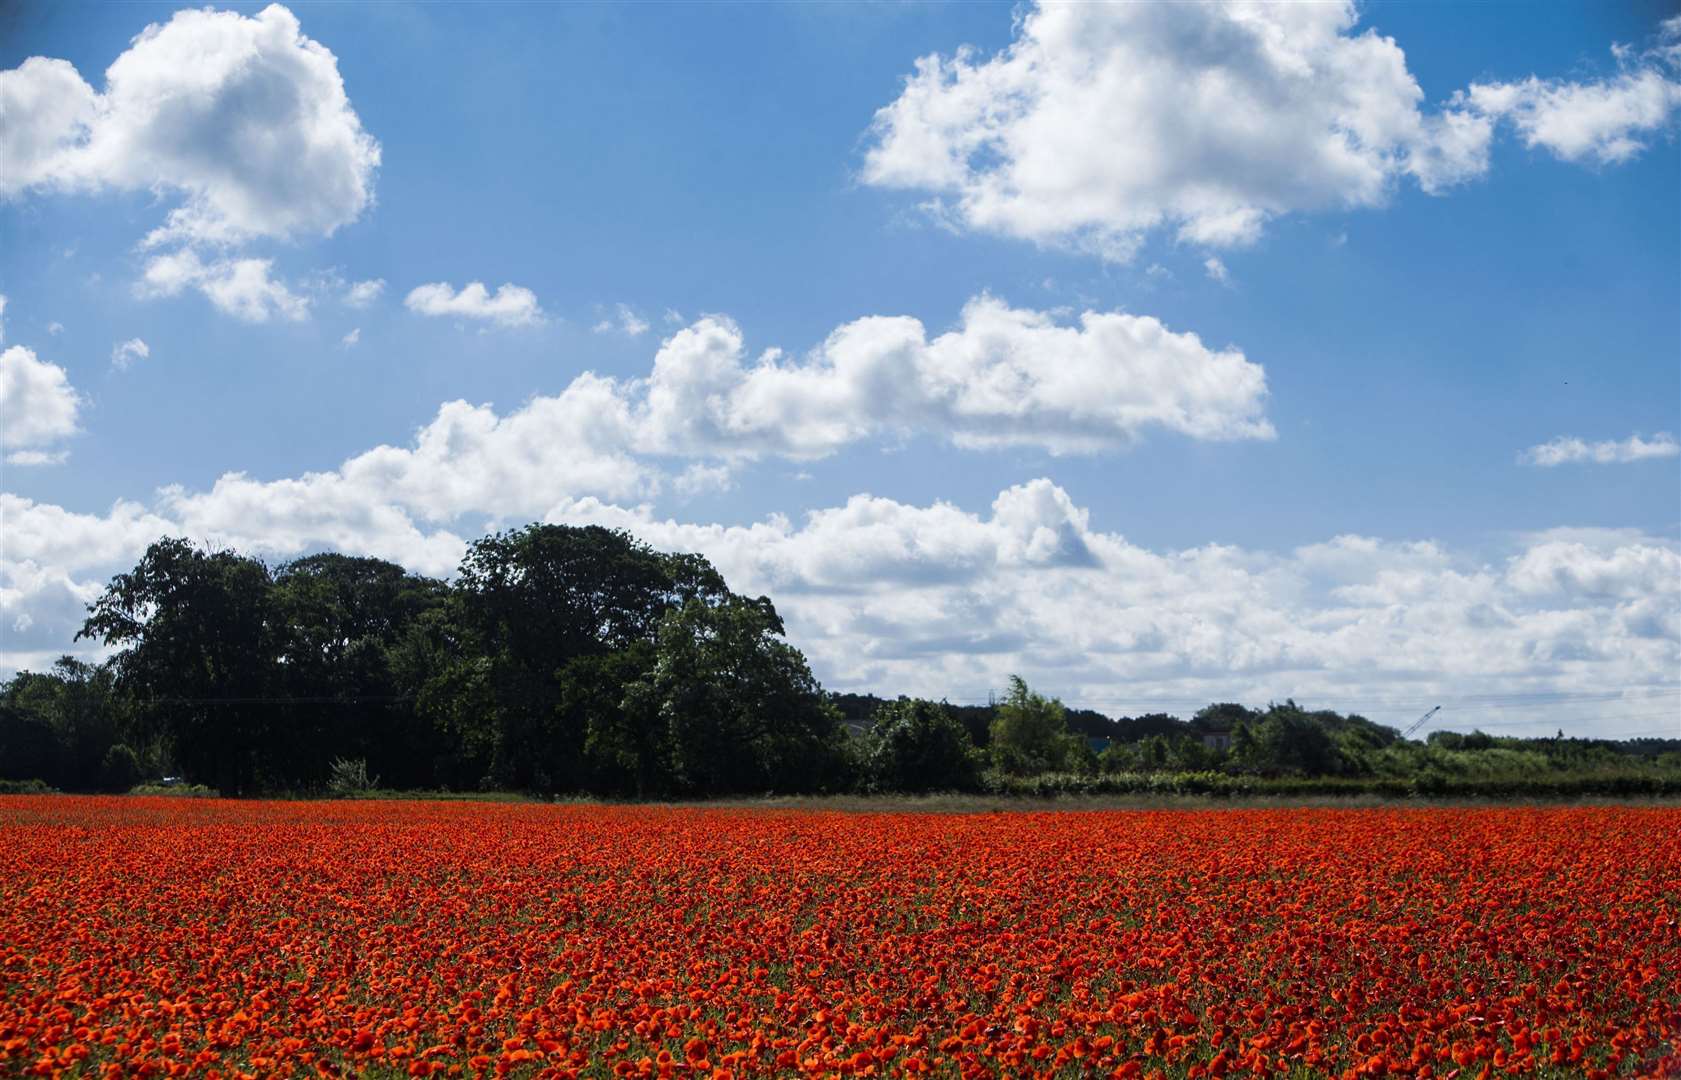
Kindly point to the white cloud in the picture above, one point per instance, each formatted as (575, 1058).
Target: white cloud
(1216, 269)
(1569, 450)
(37, 457)
(1003, 377)
(937, 599)
(38, 407)
(1576, 565)
(702, 479)
(55, 328)
(1101, 122)
(1608, 120)
(124, 354)
(243, 288)
(350, 340)
(510, 305)
(243, 118)
(468, 459)
(625, 321)
(362, 293)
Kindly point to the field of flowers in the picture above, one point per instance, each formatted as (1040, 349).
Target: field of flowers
(152, 936)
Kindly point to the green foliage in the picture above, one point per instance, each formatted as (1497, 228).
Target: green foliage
(732, 708)
(200, 657)
(532, 603)
(1285, 741)
(26, 787)
(1176, 753)
(120, 768)
(177, 791)
(918, 746)
(59, 726)
(348, 776)
(1030, 735)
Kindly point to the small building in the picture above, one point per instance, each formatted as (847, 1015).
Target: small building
(1217, 736)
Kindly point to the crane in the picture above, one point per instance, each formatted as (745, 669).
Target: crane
(1416, 724)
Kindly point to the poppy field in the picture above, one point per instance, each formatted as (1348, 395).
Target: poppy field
(165, 937)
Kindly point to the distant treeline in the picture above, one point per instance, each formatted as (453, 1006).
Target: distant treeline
(579, 660)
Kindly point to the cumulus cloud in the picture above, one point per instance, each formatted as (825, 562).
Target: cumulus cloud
(1607, 121)
(243, 119)
(941, 600)
(38, 407)
(1102, 122)
(125, 353)
(243, 288)
(1569, 450)
(350, 340)
(624, 321)
(1216, 269)
(359, 294)
(510, 305)
(1003, 377)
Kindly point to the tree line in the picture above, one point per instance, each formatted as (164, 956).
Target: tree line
(580, 660)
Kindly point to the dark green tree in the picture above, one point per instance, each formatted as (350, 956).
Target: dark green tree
(1286, 740)
(61, 726)
(532, 602)
(199, 657)
(343, 623)
(733, 707)
(917, 745)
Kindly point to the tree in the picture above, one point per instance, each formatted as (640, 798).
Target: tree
(1288, 740)
(199, 655)
(343, 622)
(732, 707)
(917, 745)
(531, 602)
(1030, 734)
(61, 726)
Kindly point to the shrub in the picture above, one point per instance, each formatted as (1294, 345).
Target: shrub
(26, 787)
(349, 776)
(179, 791)
(119, 769)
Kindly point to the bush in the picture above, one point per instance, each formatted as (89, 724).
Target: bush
(1428, 785)
(26, 787)
(179, 791)
(119, 769)
(349, 776)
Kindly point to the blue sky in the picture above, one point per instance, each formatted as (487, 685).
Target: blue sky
(1407, 320)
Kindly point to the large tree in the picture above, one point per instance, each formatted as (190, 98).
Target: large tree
(917, 745)
(732, 707)
(345, 625)
(199, 658)
(535, 601)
